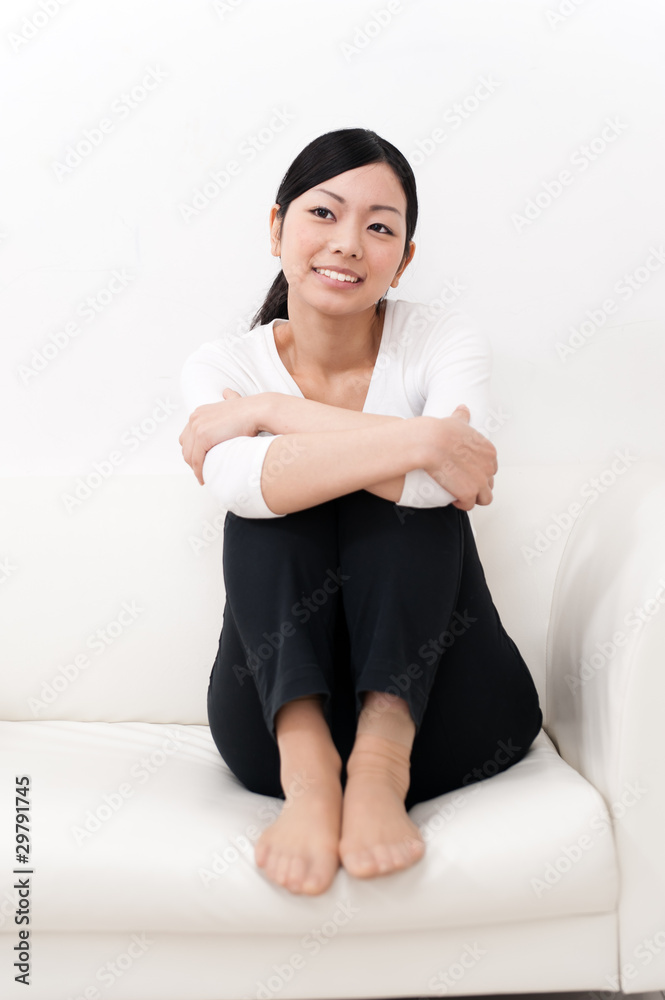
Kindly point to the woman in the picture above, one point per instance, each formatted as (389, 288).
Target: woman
(362, 666)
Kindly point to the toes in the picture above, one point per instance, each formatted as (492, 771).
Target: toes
(282, 869)
(295, 874)
(407, 852)
(298, 874)
(359, 863)
(261, 851)
(383, 858)
(317, 881)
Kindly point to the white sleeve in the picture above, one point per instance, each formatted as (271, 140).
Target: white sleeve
(232, 469)
(456, 369)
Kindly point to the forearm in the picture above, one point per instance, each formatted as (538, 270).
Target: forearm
(280, 413)
(303, 469)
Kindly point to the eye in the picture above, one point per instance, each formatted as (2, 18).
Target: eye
(388, 231)
(320, 208)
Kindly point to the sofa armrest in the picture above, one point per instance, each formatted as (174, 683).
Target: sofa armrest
(606, 694)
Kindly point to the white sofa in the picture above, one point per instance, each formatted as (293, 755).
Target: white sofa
(547, 877)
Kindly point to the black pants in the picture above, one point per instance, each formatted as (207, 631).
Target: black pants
(359, 594)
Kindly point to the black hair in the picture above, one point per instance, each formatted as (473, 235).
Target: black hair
(327, 156)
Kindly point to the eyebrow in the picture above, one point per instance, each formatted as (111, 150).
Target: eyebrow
(372, 208)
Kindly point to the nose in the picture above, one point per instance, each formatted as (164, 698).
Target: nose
(346, 240)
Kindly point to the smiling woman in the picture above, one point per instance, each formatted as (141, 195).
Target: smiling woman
(342, 437)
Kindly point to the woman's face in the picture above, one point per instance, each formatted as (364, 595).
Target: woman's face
(355, 224)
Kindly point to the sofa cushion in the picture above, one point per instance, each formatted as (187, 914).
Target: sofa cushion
(143, 825)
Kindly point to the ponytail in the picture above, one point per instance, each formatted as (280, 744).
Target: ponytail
(275, 304)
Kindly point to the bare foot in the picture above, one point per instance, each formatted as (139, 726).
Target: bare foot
(377, 835)
(300, 849)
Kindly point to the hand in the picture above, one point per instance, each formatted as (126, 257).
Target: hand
(464, 460)
(213, 423)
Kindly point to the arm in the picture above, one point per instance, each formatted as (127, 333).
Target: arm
(304, 469)
(279, 413)
(448, 366)
(227, 449)
(227, 437)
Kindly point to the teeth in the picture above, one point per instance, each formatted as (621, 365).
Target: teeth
(334, 274)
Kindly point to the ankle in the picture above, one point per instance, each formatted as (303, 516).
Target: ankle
(380, 760)
(387, 716)
(309, 758)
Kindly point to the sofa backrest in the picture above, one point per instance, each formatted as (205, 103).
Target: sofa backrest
(113, 612)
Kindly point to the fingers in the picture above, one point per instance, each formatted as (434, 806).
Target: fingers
(484, 497)
(462, 412)
(186, 441)
(464, 504)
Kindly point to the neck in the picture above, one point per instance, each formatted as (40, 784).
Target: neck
(328, 345)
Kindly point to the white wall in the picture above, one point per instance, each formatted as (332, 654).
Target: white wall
(555, 73)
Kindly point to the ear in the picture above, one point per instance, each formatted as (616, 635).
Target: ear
(275, 227)
(407, 260)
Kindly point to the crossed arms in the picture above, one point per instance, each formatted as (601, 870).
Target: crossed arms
(324, 451)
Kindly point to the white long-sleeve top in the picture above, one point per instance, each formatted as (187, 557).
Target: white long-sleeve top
(428, 363)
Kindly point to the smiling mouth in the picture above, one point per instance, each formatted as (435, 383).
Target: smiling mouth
(337, 276)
